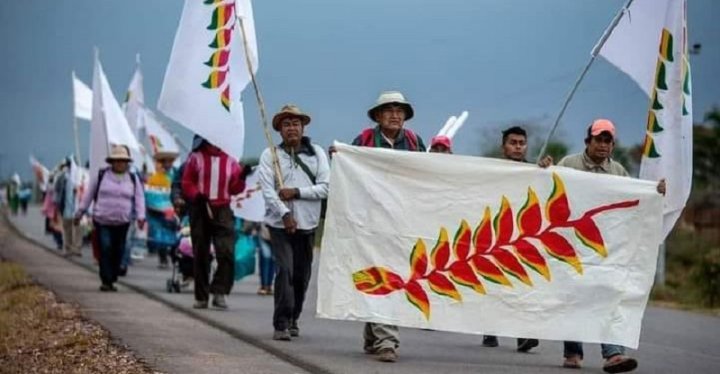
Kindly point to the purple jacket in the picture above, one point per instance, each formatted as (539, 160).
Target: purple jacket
(114, 205)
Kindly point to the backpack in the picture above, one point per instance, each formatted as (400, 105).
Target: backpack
(101, 174)
(367, 138)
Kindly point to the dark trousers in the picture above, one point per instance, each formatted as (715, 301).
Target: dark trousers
(220, 231)
(293, 255)
(112, 246)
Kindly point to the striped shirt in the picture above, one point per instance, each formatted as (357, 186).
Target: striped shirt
(214, 175)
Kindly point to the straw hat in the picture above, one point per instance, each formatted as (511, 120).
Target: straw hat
(289, 110)
(391, 97)
(119, 153)
(165, 155)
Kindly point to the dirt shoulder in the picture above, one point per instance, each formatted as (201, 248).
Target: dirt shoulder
(39, 334)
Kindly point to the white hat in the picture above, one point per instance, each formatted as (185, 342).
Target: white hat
(119, 153)
(391, 97)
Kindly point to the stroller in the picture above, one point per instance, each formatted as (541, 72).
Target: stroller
(181, 257)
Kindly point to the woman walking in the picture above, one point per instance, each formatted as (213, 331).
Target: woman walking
(117, 195)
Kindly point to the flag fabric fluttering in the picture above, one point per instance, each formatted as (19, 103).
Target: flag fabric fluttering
(207, 71)
(108, 125)
(650, 45)
(135, 100)
(160, 139)
(83, 99)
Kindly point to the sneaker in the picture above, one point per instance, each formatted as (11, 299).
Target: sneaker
(387, 355)
(219, 301)
(620, 364)
(200, 304)
(283, 335)
(113, 288)
(525, 345)
(573, 362)
(490, 341)
(262, 291)
(294, 329)
(106, 288)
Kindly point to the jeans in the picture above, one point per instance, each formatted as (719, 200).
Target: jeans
(112, 246)
(129, 241)
(608, 350)
(266, 264)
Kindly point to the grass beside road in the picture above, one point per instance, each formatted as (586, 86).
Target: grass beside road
(38, 334)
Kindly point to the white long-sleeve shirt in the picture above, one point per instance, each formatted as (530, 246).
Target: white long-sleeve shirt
(306, 208)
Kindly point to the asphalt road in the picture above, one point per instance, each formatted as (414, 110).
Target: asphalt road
(672, 341)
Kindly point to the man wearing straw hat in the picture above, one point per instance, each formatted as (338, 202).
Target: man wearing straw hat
(293, 213)
(390, 112)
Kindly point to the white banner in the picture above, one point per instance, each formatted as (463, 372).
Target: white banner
(486, 246)
(108, 125)
(650, 45)
(250, 204)
(208, 71)
(82, 98)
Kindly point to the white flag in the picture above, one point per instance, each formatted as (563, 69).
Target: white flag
(134, 100)
(486, 246)
(108, 125)
(650, 45)
(83, 98)
(160, 139)
(250, 204)
(207, 71)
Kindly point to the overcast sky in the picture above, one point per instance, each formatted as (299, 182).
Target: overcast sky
(502, 60)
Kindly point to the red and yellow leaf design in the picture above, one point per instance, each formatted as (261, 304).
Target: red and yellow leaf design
(215, 79)
(488, 270)
(461, 243)
(377, 281)
(418, 260)
(483, 235)
(530, 256)
(218, 59)
(511, 265)
(222, 39)
(418, 297)
(587, 231)
(225, 98)
(558, 208)
(557, 246)
(529, 218)
(503, 223)
(462, 274)
(441, 252)
(441, 285)
(221, 15)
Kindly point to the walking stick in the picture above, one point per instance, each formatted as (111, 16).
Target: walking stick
(261, 104)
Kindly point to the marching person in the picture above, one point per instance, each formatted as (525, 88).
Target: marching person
(293, 213)
(596, 158)
(210, 177)
(441, 144)
(118, 197)
(390, 112)
(65, 194)
(514, 147)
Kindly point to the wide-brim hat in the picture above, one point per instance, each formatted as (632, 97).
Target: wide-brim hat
(165, 155)
(289, 110)
(391, 97)
(119, 153)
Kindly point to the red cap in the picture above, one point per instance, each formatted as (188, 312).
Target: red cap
(602, 125)
(441, 140)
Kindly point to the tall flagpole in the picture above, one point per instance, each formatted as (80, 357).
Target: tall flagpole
(593, 57)
(75, 126)
(261, 104)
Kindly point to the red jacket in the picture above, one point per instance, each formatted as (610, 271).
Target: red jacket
(212, 173)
